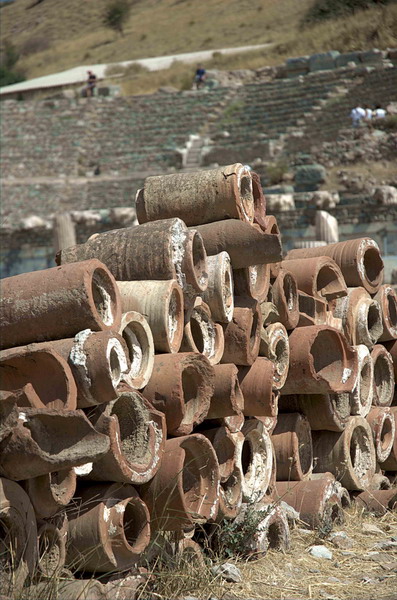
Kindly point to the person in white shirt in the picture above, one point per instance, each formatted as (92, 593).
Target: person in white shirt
(368, 112)
(356, 115)
(379, 112)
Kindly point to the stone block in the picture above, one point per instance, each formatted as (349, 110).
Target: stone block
(343, 60)
(323, 61)
(309, 177)
(297, 66)
(374, 56)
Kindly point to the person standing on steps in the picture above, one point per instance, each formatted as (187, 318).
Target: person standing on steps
(357, 114)
(200, 76)
(91, 84)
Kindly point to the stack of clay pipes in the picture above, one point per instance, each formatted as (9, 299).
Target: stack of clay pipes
(180, 372)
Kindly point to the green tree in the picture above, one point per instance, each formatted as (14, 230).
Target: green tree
(116, 15)
(8, 58)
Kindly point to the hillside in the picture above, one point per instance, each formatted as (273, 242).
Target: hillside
(53, 35)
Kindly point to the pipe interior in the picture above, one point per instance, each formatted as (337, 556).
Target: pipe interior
(232, 488)
(61, 483)
(191, 383)
(329, 365)
(174, 311)
(360, 455)
(373, 264)
(276, 535)
(133, 418)
(193, 471)
(247, 198)
(197, 334)
(137, 343)
(290, 292)
(134, 522)
(49, 552)
(103, 296)
(374, 321)
(366, 382)
(282, 355)
(224, 449)
(199, 258)
(392, 309)
(247, 456)
(305, 448)
(386, 433)
(254, 330)
(227, 290)
(328, 282)
(384, 379)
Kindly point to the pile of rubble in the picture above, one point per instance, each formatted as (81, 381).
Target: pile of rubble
(181, 372)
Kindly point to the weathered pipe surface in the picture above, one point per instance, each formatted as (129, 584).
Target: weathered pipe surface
(199, 197)
(252, 281)
(383, 427)
(185, 490)
(361, 317)
(387, 299)
(359, 260)
(19, 538)
(319, 276)
(390, 464)
(315, 501)
(270, 313)
(9, 413)
(152, 251)
(246, 244)
(256, 460)
(109, 531)
(292, 443)
(51, 492)
(284, 294)
(47, 440)
(323, 411)
(161, 303)
(391, 347)
(378, 502)
(181, 387)
(272, 531)
(363, 391)
(256, 384)
(383, 376)
(139, 340)
(51, 537)
(349, 455)
(275, 346)
(219, 293)
(321, 361)
(312, 311)
(242, 334)
(259, 201)
(137, 436)
(44, 375)
(33, 305)
(201, 334)
(227, 399)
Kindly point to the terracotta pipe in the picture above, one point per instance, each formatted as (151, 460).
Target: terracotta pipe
(160, 250)
(349, 455)
(161, 302)
(109, 529)
(181, 387)
(274, 345)
(284, 295)
(8, 413)
(242, 334)
(323, 411)
(256, 383)
(202, 335)
(246, 244)
(47, 440)
(86, 292)
(271, 225)
(252, 281)
(270, 313)
(122, 587)
(51, 537)
(363, 391)
(233, 423)
(312, 311)
(256, 460)
(271, 488)
(199, 197)
(139, 340)
(137, 435)
(272, 531)
(383, 427)
(387, 299)
(319, 277)
(188, 553)
(18, 538)
(293, 447)
(390, 464)
(359, 260)
(227, 399)
(361, 317)
(315, 501)
(43, 377)
(383, 376)
(378, 502)
(51, 492)
(231, 495)
(391, 347)
(259, 201)
(219, 293)
(379, 482)
(185, 490)
(321, 361)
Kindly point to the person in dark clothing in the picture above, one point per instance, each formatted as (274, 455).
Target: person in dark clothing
(91, 83)
(200, 76)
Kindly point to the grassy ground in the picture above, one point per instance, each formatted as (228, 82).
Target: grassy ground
(53, 35)
(353, 574)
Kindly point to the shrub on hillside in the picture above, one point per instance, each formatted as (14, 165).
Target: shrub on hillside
(331, 9)
(8, 58)
(116, 15)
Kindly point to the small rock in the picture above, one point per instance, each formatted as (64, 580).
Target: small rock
(333, 580)
(369, 528)
(228, 572)
(385, 545)
(320, 552)
(340, 539)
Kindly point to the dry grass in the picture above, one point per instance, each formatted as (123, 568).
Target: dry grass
(349, 575)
